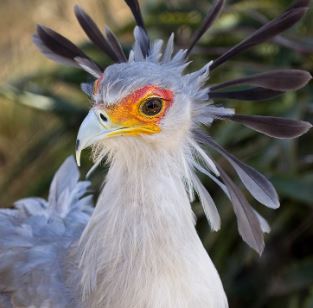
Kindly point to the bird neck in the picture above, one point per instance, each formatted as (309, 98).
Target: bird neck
(141, 238)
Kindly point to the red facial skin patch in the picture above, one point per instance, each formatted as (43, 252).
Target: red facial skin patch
(127, 113)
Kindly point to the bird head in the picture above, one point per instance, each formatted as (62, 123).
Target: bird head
(147, 102)
(146, 98)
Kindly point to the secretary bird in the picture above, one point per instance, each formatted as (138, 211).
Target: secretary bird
(139, 247)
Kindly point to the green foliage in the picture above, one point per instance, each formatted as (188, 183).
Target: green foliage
(283, 276)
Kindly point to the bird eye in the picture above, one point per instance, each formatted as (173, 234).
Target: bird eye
(103, 117)
(152, 106)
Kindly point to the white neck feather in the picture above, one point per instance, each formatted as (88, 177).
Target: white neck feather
(140, 248)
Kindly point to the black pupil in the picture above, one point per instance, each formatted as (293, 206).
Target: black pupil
(103, 117)
(152, 107)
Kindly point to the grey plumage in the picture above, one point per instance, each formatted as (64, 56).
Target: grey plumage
(39, 262)
(249, 225)
(256, 183)
(36, 240)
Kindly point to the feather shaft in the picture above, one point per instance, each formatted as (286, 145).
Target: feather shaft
(207, 22)
(268, 31)
(256, 183)
(248, 223)
(272, 126)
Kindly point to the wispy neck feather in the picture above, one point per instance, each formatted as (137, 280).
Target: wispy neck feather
(140, 248)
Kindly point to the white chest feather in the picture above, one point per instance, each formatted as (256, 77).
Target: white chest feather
(141, 249)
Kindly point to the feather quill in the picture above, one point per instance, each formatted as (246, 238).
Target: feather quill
(168, 52)
(269, 30)
(278, 80)
(256, 183)
(135, 9)
(207, 203)
(272, 126)
(207, 22)
(95, 35)
(115, 44)
(263, 223)
(58, 48)
(248, 223)
(89, 66)
(142, 42)
(252, 94)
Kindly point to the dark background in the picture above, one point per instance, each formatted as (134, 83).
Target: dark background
(42, 106)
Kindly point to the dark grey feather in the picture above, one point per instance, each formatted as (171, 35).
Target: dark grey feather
(291, 43)
(89, 66)
(52, 55)
(256, 183)
(141, 35)
(135, 9)
(58, 43)
(95, 35)
(269, 30)
(279, 80)
(272, 126)
(115, 44)
(263, 223)
(300, 4)
(207, 22)
(248, 223)
(58, 48)
(252, 94)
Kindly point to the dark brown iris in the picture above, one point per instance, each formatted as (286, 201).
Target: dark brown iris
(152, 106)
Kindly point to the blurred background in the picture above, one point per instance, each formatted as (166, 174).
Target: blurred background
(41, 108)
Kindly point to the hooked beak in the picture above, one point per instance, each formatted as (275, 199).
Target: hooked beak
(95, 127)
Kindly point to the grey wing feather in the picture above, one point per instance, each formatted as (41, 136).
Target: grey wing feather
(35, 242)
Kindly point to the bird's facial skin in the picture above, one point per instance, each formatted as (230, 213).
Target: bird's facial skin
(138, 113)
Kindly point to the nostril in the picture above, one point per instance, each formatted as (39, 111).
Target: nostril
(103, 117)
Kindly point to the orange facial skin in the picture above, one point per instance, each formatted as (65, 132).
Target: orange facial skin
(127, 113)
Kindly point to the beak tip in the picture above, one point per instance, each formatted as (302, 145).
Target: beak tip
(78, 151)
(78, 159)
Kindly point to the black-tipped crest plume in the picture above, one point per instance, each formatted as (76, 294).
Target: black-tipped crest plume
(135, 9)
(266, 85)
(115, 44)
(252, 94)
(142, 31)
(278, 80)
(207, 22)
(256, 183)
(58, 48)
(95, 35)
(266, 32)
(272, 126)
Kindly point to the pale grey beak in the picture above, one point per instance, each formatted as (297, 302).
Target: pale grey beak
(94, 128)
